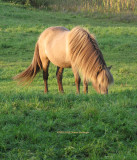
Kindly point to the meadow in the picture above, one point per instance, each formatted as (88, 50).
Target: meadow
(86, 6)
(53, 126)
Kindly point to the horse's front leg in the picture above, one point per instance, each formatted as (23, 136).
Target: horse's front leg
(77, 79)
(59, 78)
(85, 86)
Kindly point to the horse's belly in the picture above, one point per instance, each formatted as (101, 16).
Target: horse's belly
(56, 51)
(58, 58)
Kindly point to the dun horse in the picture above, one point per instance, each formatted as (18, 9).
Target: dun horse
(76, 49)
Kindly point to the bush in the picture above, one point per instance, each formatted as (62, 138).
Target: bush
(34, 3)
(39, 3)
(16, 1)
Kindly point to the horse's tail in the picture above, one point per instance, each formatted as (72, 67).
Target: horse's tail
(29, 74)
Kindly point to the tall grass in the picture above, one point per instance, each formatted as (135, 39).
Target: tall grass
(115, 6)
(91, 6)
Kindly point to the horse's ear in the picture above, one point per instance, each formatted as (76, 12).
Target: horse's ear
(109, 67)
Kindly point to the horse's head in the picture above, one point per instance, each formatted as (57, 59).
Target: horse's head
(103, 80)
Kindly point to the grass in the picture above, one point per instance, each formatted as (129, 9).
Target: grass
(86, 6)
(30, 119)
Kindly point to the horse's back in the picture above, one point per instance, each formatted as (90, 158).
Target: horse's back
(53, 44)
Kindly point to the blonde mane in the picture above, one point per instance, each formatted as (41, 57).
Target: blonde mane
(85, 53)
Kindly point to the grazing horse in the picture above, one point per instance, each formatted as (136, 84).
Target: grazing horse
(76, 49)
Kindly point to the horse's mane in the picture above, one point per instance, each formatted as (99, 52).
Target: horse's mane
(85, 53)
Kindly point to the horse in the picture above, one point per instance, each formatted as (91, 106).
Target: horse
(76, 49)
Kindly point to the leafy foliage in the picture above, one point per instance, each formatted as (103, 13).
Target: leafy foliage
(34, 3)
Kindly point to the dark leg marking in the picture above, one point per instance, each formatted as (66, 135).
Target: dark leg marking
(59, 78)
(45, 77)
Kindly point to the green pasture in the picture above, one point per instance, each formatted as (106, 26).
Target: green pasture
(93, 126)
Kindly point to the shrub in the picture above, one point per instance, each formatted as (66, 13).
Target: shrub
(16, 1)
(34, 3)
(39, 3)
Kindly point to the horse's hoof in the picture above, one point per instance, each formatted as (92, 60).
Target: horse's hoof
(61, 92)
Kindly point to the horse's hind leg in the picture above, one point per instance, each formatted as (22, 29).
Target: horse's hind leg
(77, 79)
(59, 78)
(85, 86)
(45, 74)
